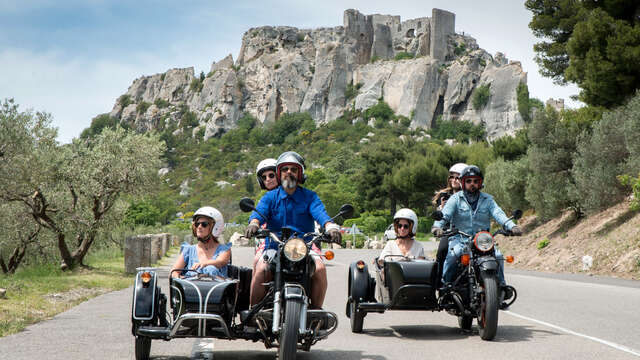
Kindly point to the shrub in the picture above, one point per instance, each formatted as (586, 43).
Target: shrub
(403, 56)
(352, 91)
(196, 85)
(161, 103)
(125, 100)
(312, 69)
(460, 49)
(510, 147)
(634, 183)
(375, 58)
(276, 66)
(481, 96)
(211, 73)
(522, 94)
(507, 181)
(142, 107)
(462, 131)
(543, 244)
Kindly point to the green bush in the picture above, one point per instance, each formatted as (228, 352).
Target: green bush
(480, 97)
(510, 147)
(543, 244)
(524, 104)
(507, 181)
(634, 183)
(403, 56)
(196, 85)
(125, 100)
(142, 107)
(352, 90)
(375, 58)
(460, 49)
(161, 103)
(462, 131)
(142, 213)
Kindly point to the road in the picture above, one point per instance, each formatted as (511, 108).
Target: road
(555, 317)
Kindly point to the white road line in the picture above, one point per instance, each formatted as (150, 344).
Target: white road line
(605, 342)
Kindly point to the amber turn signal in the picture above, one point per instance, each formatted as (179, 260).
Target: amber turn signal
(360, 264)
(509, 259)
(464, 259)
(146, 277)
(329, 255)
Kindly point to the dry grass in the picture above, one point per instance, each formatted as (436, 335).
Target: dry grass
(611, 238)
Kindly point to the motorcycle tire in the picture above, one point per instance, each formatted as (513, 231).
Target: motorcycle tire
(357, 318)
(290, 329)
(465, 322)
(488, 316)
(143, 347)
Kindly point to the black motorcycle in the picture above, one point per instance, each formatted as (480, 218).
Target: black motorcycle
(284, 316)
(415, 285)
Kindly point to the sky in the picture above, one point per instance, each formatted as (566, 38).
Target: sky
(74, 58)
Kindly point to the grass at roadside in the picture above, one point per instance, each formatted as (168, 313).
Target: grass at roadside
(37, 293)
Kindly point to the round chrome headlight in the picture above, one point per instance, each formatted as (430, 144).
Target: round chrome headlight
(295, 249)
(483, 241)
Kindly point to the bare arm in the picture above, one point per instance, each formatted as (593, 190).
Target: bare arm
(179, 264)
(219, 262)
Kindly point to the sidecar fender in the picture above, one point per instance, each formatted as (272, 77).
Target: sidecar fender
(359, 283)
(144, 297)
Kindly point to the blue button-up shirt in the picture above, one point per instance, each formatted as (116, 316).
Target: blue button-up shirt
(297, 211)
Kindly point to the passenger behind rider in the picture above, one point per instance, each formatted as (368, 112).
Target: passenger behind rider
(440, 198)
(207, 255)
(470, 211)
(293, 206)
(405, 224)
(266, 175)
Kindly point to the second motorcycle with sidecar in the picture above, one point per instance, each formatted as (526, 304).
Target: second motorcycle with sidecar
(408, 284)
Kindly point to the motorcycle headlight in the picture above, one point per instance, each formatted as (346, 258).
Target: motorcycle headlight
(295, 249)
(483, 241)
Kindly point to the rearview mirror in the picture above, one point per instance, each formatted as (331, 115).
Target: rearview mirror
(247, 204)
(517, 214)
(436, 215)
(346, 211)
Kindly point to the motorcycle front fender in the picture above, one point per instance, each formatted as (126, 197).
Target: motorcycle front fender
(488, 265)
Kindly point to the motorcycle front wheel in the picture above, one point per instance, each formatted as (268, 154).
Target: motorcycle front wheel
(290, 330)
(488, 316)
(357, 318)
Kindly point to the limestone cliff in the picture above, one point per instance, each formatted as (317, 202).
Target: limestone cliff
(420, 67)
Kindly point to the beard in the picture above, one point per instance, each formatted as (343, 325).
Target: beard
(289, 183)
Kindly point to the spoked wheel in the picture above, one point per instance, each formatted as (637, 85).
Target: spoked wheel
(143, 347)
(465, 322)
(357, 318)
(290, 330)
(488, 317)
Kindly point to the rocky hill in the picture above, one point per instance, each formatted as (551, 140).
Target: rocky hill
(421, 67)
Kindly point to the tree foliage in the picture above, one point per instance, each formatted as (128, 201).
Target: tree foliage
(595, 44)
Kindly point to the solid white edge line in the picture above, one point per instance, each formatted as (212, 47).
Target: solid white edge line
(202, 348)
(571, 332)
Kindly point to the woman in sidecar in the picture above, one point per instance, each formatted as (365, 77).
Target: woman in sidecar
(208, 255)
(404, 280)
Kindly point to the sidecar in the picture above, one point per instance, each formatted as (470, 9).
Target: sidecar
(402, 285)
(200, 306)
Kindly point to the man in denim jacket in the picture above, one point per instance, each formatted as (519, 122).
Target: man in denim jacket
(471, 211)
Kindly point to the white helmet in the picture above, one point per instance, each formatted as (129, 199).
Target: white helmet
(408, 214)
(214, 215)
(264, 165)
(457, 168)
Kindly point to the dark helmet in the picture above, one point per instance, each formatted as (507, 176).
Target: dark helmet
(264, 165)
(291, 158)
(471, 171)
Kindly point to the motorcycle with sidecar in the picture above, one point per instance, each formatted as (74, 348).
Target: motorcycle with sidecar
(408, 284)
(203, 306)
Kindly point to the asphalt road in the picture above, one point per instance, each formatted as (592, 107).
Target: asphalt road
(555, 317)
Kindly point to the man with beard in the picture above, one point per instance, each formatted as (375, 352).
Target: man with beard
(295, 207)
(470, 211)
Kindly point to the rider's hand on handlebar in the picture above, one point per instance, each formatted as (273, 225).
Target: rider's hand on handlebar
(437, 232)
(251, 231)
(516, 231)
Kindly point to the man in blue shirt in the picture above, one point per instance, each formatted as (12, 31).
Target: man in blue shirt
(297, 208)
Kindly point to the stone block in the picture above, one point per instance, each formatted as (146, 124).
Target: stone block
(137, 252)
(156, 248)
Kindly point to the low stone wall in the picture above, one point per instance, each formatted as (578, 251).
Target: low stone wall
(146, 250)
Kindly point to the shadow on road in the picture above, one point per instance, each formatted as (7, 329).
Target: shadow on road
(419, 332)
(272, 354)
(519, 333)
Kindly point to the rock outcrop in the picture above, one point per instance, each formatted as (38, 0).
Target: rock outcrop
(420, 67)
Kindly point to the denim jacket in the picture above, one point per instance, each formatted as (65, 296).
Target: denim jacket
(458, 212)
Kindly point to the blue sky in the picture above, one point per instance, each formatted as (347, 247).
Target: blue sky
(74, 58)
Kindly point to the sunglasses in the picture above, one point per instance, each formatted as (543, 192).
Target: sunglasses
(403, 226)
(293, 169)
(270, 176)
(473, 181)
(204, 224)
(453, 177)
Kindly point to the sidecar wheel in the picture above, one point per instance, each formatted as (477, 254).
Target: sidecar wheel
(357, 318)
(488, 317)
(143, 347)
(465, 322)
(290, 329)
